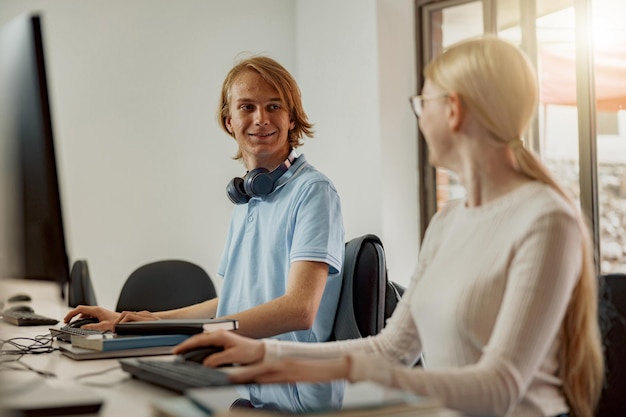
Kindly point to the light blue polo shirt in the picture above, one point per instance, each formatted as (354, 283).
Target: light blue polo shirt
(300, 220)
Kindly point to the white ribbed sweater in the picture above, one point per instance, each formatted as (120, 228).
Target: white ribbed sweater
(485, 307)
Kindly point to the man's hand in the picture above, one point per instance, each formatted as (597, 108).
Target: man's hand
(126, 316)
(106, 318)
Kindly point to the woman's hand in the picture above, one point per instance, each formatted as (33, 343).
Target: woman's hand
(237, 349)
(106, 318)
(294, 370)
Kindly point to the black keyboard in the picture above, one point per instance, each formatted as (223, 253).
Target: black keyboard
(175, 375)
(66, 332)
(25, 318)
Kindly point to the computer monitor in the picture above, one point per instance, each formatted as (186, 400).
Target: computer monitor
(32, 238)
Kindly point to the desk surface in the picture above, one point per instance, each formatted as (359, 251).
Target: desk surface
(122, 395)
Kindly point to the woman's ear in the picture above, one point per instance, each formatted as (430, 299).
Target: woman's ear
(456, 111)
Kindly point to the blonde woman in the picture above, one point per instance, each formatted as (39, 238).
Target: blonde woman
(503, 303)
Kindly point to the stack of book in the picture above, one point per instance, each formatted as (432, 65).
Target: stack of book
(110, 341)
(143, 338)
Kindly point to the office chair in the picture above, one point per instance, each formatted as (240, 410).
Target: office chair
(80, 290)
(165, 285)
(367, 298)
(612, 310)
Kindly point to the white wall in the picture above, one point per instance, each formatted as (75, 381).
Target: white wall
(142, 163)
(397, 80)
(356, 68)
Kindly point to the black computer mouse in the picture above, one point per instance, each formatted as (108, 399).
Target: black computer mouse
(19, 297)
(77, 324)
(24, 308)
(198, 355)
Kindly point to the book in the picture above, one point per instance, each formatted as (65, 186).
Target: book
(392, 410)
(175, 326)
(363, 399)
(80, 354)
(109, 342)
(177, 407)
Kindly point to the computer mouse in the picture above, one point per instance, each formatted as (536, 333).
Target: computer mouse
(19, 297)
(198, 355)
(24, 308)
(77, 324)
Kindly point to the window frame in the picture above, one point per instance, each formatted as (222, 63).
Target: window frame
(585, 90)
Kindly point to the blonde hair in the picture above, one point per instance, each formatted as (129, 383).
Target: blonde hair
(498, 83)
(278, 77)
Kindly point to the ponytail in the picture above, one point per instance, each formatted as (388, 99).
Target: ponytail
(581, 357)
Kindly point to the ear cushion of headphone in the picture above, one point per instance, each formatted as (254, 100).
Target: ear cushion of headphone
(259, 182)
(236, 192)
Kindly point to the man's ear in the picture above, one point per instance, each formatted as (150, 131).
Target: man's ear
(456, 111)
(228, 125)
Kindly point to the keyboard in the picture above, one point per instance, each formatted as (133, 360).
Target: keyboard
(66, 332)
(175, 375)
(26, 318)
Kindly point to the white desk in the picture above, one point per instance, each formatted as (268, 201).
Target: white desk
(122, 395)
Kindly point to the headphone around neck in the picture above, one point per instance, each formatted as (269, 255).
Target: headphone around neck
(257, 183)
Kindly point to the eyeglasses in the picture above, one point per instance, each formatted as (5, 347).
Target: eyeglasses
(417, 102)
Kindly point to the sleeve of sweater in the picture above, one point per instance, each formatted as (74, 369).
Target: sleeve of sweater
(398, 342)
(544, 270)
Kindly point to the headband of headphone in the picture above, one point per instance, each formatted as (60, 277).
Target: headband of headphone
(257, 183)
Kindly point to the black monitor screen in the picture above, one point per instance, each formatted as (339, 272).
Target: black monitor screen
(32, 240)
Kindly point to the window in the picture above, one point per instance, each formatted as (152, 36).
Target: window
(580, 135)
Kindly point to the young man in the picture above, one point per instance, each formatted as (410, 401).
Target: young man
(282, 260)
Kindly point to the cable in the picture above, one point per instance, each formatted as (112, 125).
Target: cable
(39, 344)
(101, 384)
(25, 367)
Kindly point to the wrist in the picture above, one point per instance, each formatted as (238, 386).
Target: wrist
(260, 354)
(346, 367)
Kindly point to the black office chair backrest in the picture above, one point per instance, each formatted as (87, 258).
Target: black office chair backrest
(165, 285)
(80, 290)
(613, 323)
(367, 298)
